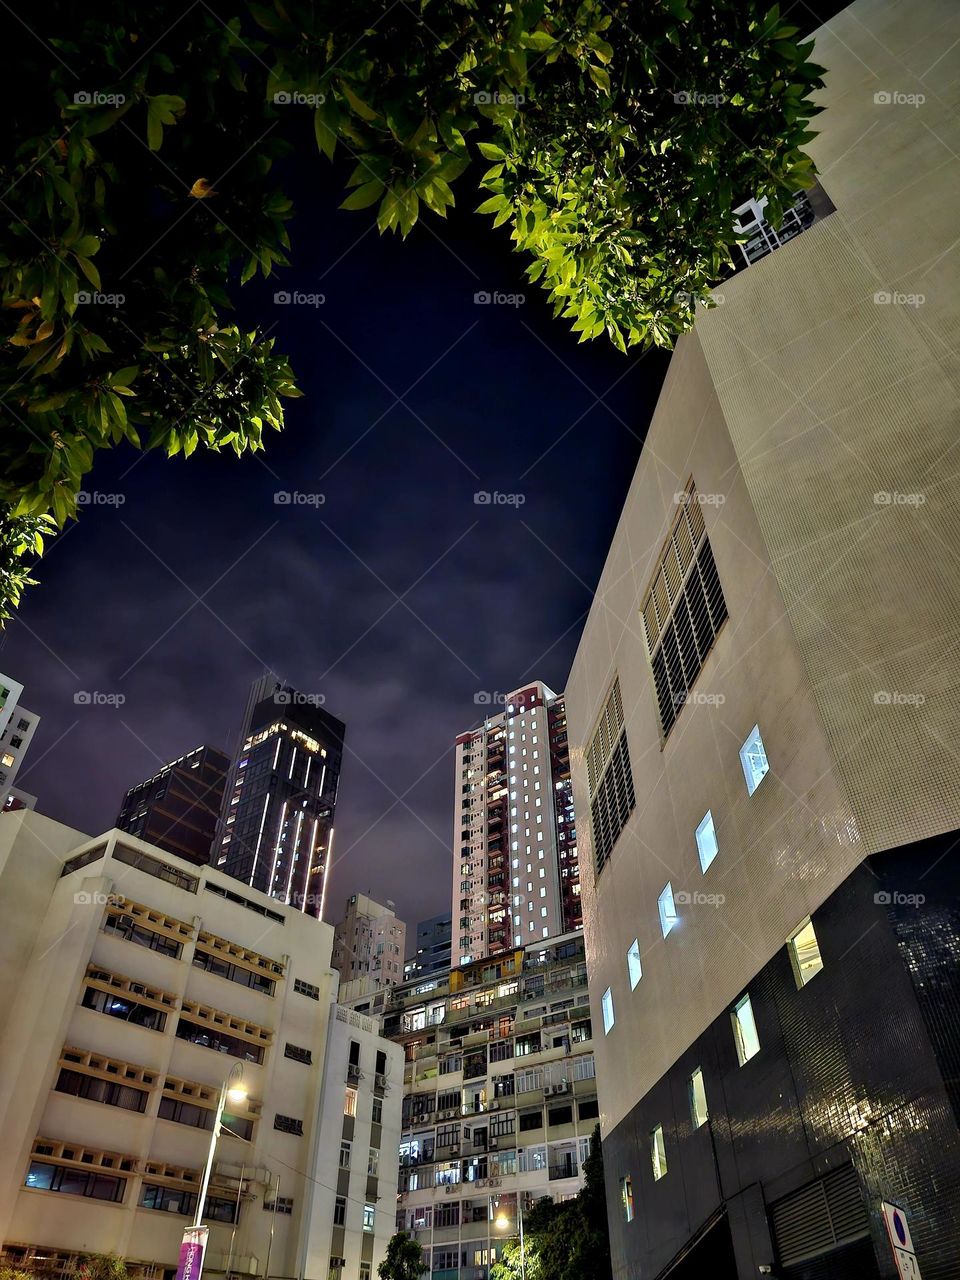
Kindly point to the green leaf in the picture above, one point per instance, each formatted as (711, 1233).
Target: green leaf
(364, 196)
(364, 111)
(538, 41)
(490, 151)
(162, 109)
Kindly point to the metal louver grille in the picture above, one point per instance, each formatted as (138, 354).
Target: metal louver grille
(609, 778)
(819, 1217)
(683, 610)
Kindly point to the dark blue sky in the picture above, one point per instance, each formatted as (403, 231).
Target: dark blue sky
(398, 598)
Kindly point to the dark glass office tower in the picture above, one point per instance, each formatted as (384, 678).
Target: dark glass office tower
(177, 808)
(276, 826)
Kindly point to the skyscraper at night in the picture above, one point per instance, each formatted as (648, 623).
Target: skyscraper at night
(517, 873)
(276, 826)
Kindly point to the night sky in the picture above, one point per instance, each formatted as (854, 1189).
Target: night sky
(398, 598)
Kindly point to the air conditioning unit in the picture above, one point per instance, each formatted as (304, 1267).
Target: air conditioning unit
(548, 1090)
(561, 1088)
(494, 1105)
(455, 1149)
(493, 1144)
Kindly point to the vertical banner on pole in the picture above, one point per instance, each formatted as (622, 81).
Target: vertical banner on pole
(192, 1246)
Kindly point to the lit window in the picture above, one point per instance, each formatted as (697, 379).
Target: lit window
(745, 1030)
(668, 909)
(369, 1215)
(626, 1197)
(633, 964)
(658, 1154)
(753, 757)
(698, 1100)
(607, 1007)
(805, 953)
(7, 759)
(350, 1103)
(707, 841)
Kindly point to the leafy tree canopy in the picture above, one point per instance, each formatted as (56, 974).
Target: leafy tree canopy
(404, 1259)
(612, 139)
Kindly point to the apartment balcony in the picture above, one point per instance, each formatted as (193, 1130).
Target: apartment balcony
(563, 1170)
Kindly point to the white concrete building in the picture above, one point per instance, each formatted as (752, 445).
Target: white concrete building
(17, 727)
(131, 982)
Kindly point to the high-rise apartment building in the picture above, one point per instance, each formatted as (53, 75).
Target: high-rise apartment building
(764, 728)
(433, 947)
(276, 825)
(499, 1098)
(516, 866)
(178, 808)
(132, 985)
(368, 943)
(17, 727)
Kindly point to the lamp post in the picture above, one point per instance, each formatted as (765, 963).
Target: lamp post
(502, 1222)
(233, 1089)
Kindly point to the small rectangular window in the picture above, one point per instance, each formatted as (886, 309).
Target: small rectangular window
(805, 953)
(350, 1102)
(608, 1014)
(633, 964)
(369, 1216)
(658, 1153)
(667, 908)
(745, 1030)
(753, 758)
(698, 1100)
(707, 841)
(626, 1197)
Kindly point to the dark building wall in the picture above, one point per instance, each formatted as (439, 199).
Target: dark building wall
(858, 1065)
(178, 808)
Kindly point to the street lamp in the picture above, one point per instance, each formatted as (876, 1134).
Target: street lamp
(502, 1223)
(232, 1088)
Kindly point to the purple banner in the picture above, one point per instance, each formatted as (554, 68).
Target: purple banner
(190, 1262)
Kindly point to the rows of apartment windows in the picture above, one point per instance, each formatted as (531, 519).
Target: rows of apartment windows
(559, 1160)
(806, 961)
(755, 766)
(101, 1183)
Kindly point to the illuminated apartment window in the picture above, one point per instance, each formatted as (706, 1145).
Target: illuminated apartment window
(745, 1030)
(350, 1102)
(633, 964)
(609, 778)
(626, 1197)
(707, 846)
(805, 953)
(698, 1100)
(658, 1153)
(667, 908)
(753, 758)
(683, 609)
(607, 1007)
(369, 1216)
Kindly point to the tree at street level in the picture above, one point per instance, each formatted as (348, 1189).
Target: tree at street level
(404, 1260)
(565, 1241)
(614, 141)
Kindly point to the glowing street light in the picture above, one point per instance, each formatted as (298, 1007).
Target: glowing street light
(502, 1223)
(234, 1089)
